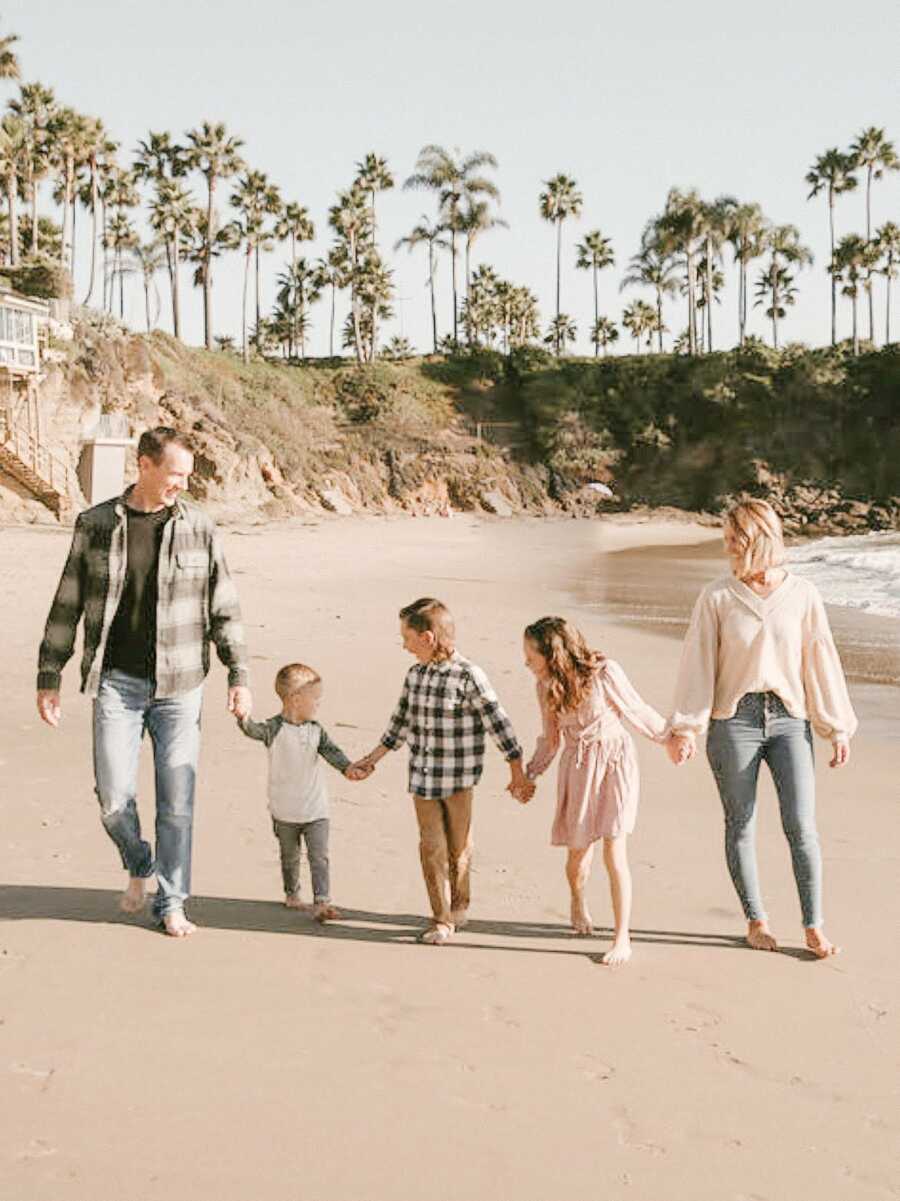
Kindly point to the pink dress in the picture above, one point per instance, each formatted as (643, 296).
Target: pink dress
(598, 780)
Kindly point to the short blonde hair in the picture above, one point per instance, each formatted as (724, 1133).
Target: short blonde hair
(429, 614)
(757, 537)
(294, 676)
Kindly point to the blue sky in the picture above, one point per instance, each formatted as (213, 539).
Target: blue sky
(629, 99)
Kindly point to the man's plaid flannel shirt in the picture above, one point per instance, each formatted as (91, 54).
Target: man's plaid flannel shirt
(197, 601)
(442, 715)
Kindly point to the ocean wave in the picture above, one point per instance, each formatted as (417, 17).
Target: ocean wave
(857, 572)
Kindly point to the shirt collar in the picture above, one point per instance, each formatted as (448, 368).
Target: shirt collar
(178, 509)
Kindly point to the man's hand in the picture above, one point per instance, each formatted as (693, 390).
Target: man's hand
(359, 771)
(240, 701)
(48, 705)
(522, 791)
(680, 748)
(840, 753)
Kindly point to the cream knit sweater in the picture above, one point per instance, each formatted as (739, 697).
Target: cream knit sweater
(739, 642)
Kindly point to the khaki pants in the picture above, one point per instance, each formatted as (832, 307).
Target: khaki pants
(445, 848)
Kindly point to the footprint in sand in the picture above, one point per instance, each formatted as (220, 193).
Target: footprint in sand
(37, 1149)
(627, 1136)
(595, 1069)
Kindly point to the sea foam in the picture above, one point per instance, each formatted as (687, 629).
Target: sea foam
(861, 571)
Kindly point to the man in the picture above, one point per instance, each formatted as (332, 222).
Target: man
(147, 573)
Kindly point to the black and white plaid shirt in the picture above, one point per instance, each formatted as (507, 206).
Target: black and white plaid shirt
(442, 715)
(197, 602)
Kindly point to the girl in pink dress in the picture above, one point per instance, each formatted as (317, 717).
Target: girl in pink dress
(584, 698)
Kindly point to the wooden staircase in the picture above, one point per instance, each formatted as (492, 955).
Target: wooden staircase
(37, 468)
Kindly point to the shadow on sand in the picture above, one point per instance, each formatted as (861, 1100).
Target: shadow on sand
(32, 902)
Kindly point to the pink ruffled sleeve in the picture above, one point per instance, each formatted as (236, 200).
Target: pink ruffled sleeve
(548, 741)
(831, 714)
(626, 700)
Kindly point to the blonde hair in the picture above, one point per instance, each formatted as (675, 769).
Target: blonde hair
(294, 676)
(757, 538)
(571, 664)
(429, 614)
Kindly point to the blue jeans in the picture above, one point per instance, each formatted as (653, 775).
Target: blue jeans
(762, 730)
(124, 708)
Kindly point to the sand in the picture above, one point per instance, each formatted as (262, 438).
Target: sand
(268, 1058)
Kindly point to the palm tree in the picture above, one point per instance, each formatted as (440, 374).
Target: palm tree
(888, 242)
(117, 193)
(298, 287)
(35, 107)
(375, 289)
(603, 334)
(873, 151)
(716, 219)
(746, 231)
(146, 259)
(215, 154)
(294, 223)
(653, 267)
(776, 283)
(523, 317)
(640, 319)
(832, 173)
(13, 147)
(561, 331)
(455, 178)
(335, 272)
(476, 218)
(205, 248)
(432, 236)
(97, 144)
(373, 176)
(681, 229)
(9, 62)
(350, 219)
(594, 254)
(120, 238)
(70, 136)
(173, 217)
(560, 201)
(852, 256)
(256, 198)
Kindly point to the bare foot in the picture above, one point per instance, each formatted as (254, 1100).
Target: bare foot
(460, 919)
(292, 901)
(324, 911)
(619, 953)
(760, 937)
(820, 946)
(581, 919)
(436, 935)
(176, 925)
(134, 898)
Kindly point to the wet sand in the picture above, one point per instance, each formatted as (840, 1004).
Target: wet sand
(268, 1058)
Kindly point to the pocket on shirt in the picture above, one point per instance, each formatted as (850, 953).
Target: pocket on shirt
(193, 562)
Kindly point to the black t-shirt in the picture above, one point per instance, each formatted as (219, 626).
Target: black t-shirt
(131, 646)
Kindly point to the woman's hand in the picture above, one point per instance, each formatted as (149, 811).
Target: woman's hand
(680, 748)
(840, 753)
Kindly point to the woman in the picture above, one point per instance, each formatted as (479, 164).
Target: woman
(759, 668)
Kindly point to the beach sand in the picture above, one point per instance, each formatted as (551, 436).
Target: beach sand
(268, 1058)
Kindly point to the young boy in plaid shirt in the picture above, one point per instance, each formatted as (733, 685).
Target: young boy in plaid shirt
(446, 704)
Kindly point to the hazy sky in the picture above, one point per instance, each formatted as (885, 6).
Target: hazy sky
(630, 99)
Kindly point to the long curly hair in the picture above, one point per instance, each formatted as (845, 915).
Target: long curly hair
(571, 664)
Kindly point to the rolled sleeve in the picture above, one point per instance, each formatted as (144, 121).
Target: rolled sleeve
(66, 610)
(225, 625)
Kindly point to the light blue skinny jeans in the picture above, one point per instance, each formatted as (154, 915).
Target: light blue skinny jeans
(124, 708)
(762, 731)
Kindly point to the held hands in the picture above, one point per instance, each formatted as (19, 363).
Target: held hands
(680, 748)
(359, 771)
(840, 753)
(240, 701)
(519, 785)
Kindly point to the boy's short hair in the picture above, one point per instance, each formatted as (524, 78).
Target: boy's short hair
(294, 676)
(429, 614)
(153, 443)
